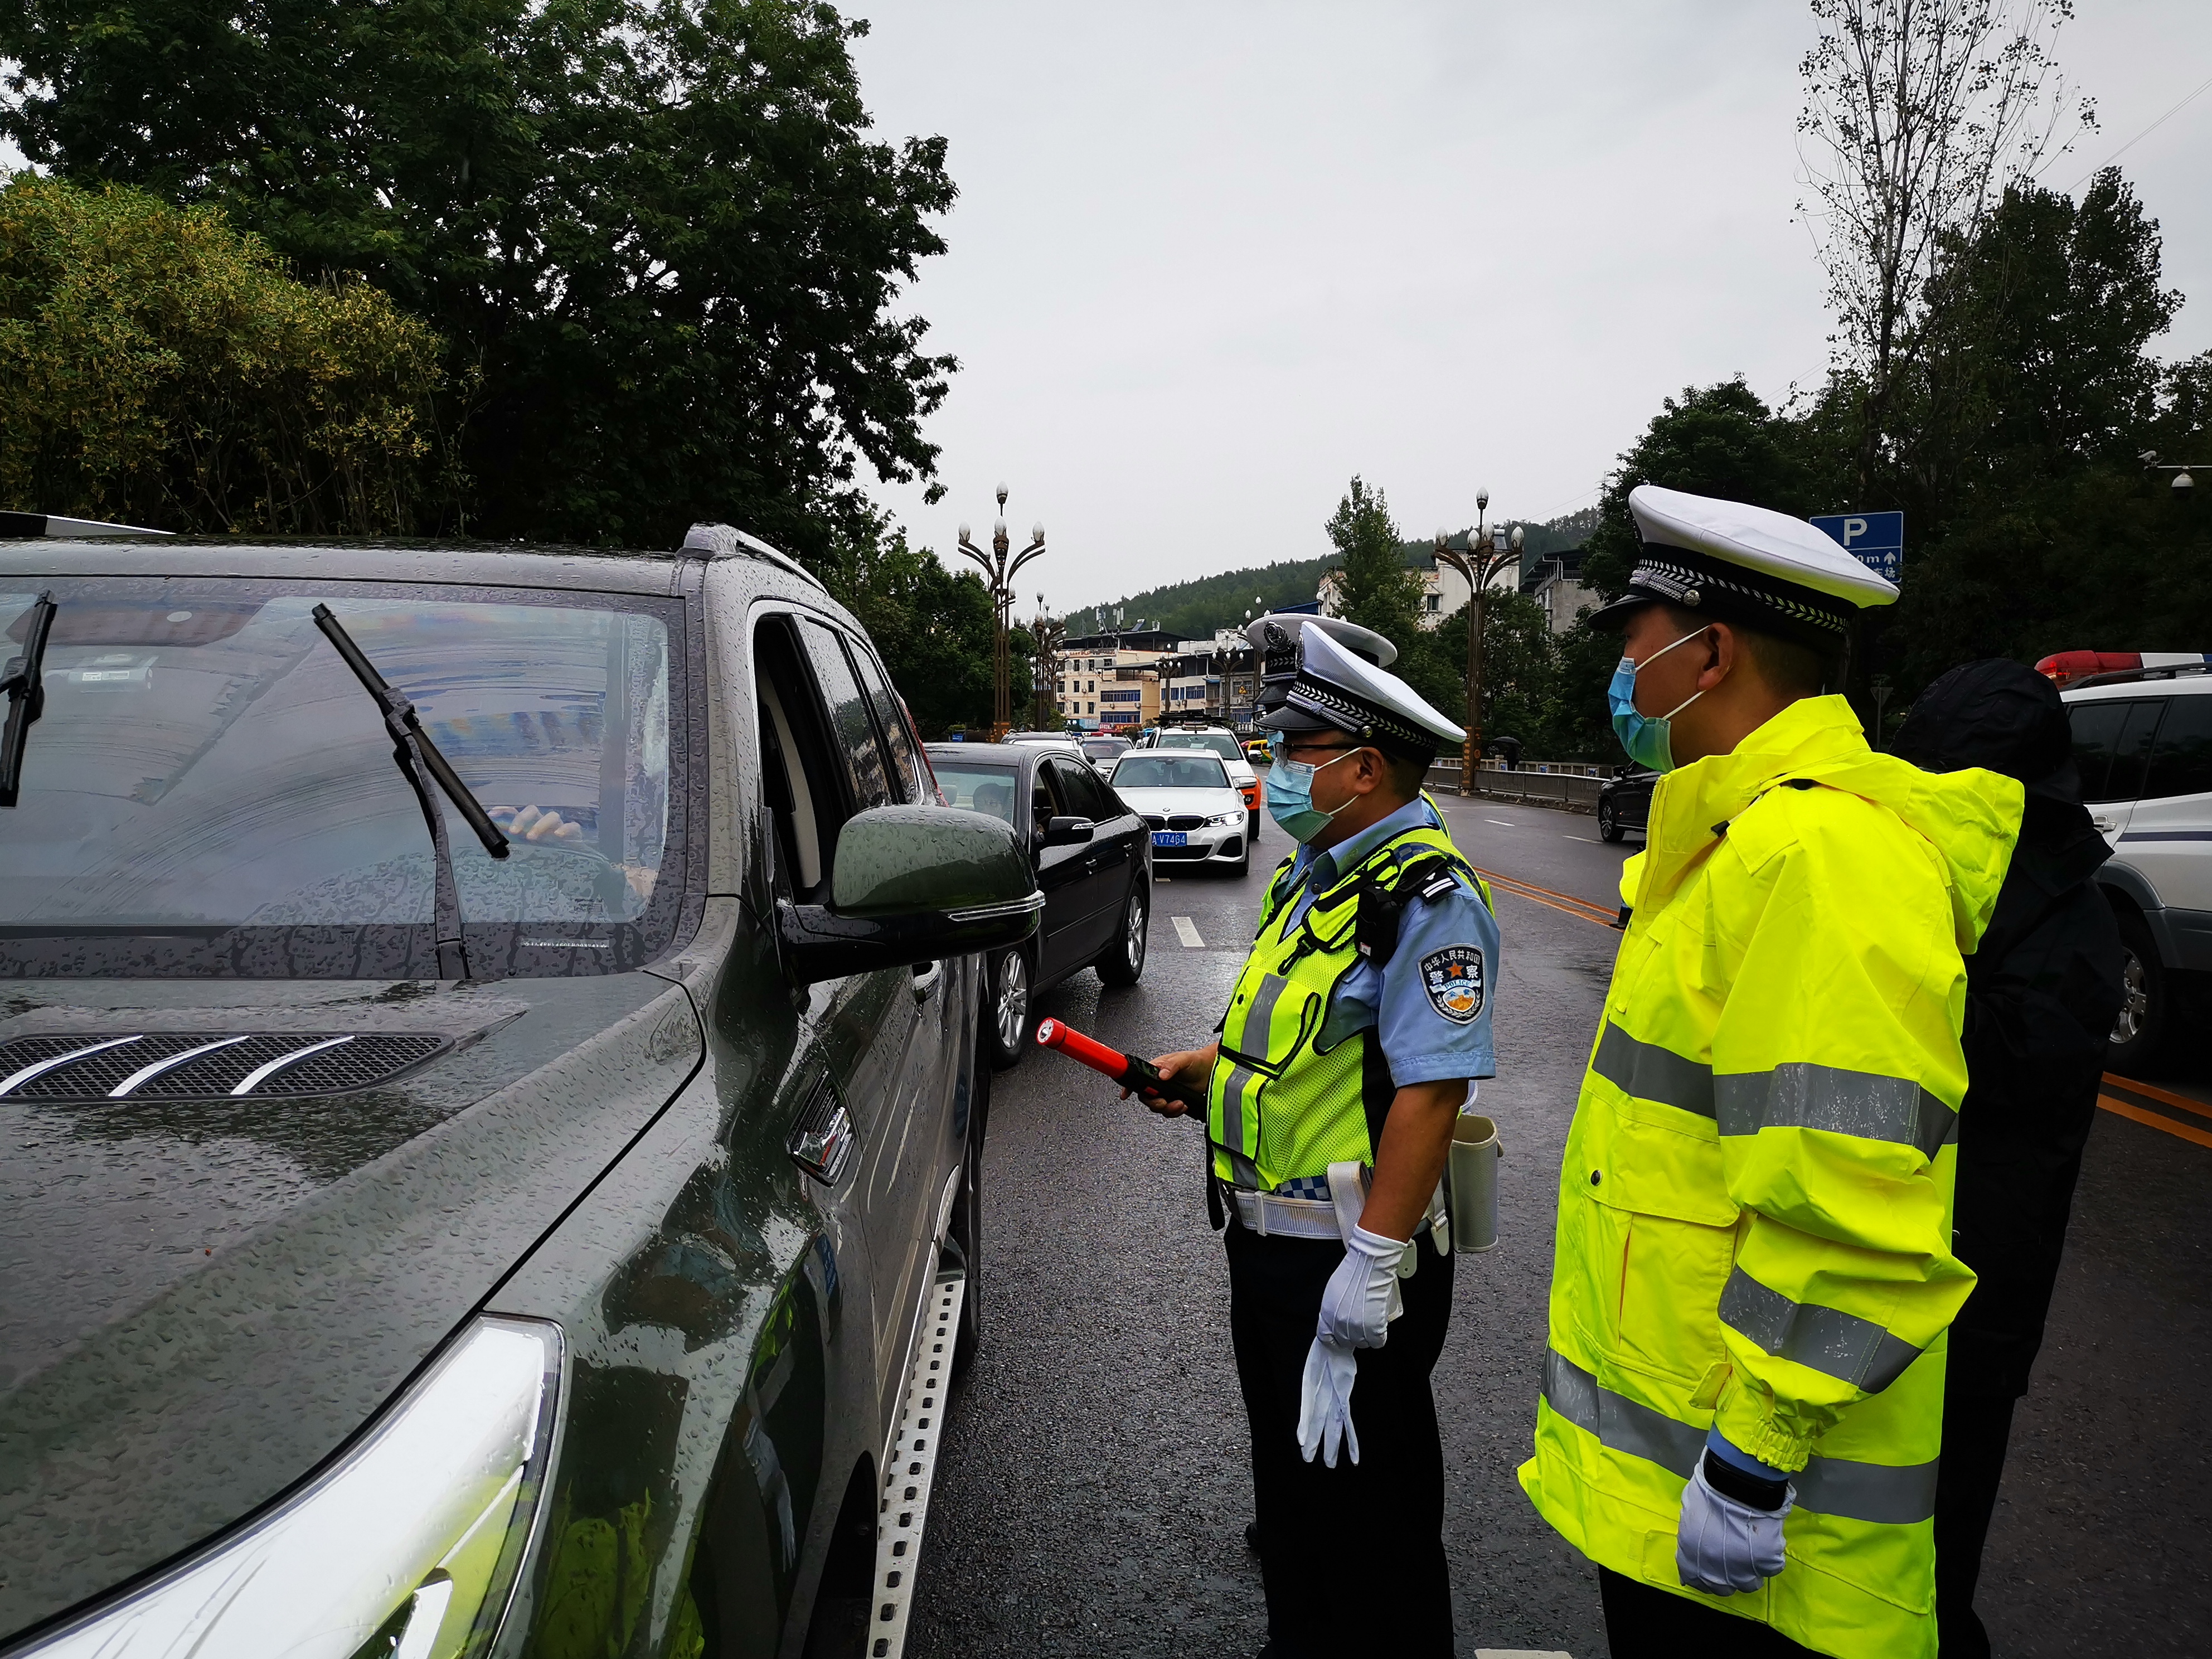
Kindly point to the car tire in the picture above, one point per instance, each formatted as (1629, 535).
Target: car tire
(1251, 831)
(2146, 1016)
(1123, 964)
(1608, 822)
(1009, 1008)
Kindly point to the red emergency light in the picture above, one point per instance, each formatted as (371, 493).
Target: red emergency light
(1127, 1070)
(2066, 667)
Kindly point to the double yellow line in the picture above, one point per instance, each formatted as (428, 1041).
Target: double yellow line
(2113, 1098)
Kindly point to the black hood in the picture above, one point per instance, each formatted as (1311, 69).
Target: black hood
(204, 1295)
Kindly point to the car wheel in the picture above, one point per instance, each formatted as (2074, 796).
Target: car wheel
(1007, 1015)
(1608, 825)
(1124, 961)
(2146, 1008)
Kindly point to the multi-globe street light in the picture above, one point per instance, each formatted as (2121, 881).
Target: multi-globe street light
(1049, 632)
(999, 572)
(1489, 551)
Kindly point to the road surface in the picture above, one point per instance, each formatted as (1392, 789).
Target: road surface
(1094, 1486)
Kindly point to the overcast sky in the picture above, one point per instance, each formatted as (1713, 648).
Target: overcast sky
(1211, 258)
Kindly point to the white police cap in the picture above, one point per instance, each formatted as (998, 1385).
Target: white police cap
(1361, 641)
(1333, 689)
(1736, 562)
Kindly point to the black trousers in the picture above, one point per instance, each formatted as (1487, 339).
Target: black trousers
(1352, 1558)
(1644, 1623)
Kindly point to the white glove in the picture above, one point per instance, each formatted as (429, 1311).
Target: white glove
(1722, 1545)
(1361, 1298)
(1325, 1401)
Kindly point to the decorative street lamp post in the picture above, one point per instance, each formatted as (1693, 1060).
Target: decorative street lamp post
(1489, 550)
(1049, 632)
(999, 573)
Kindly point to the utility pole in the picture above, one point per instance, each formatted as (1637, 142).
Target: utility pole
(1488, 552)
(999, 572)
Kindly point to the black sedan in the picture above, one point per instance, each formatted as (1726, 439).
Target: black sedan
(1623, 801)
(1093, 858)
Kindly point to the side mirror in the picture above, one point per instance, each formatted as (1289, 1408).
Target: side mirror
(912, 883)
(1067, 832)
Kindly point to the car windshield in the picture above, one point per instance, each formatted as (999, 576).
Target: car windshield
(1220, 743)
(1104, 748)
(211, 791)
(979, 788)
(1169, 772)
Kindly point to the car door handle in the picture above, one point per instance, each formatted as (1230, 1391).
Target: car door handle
(926, 977)
(2103, 825)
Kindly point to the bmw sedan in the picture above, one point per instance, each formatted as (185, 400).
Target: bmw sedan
(1196, 814)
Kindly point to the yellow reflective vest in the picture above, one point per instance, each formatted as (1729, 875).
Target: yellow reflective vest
(1754, 1223)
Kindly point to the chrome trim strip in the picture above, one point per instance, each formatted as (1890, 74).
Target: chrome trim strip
(145, 1073)
(39, 1068)
(992, 912)
(261, 1074)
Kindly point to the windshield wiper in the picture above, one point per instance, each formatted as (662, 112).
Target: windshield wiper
(27, 695)
(412, 748)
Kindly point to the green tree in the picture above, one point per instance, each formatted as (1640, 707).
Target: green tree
(658, 230)
(934, 628)
(159, 367)
(1375, 589)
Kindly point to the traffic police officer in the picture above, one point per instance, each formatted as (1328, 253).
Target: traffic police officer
(1743, 1391)
(1351, 1041)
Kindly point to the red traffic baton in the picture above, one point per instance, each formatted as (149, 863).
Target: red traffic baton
(1130, 1073)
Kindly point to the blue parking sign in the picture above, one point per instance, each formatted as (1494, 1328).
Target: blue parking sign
(1877, 540)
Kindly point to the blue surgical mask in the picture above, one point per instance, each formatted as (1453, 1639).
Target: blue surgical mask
(1647, 740)
(1288, 791)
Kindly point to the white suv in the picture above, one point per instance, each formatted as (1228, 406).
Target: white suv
(2143, 739)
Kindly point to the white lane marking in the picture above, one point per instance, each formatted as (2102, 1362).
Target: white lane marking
(1187, 930)
(1591, 841)
(1508, 823)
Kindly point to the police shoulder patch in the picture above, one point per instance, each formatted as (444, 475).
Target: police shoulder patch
(1453, 979)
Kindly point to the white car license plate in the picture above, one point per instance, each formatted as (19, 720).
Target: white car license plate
(1169, 838)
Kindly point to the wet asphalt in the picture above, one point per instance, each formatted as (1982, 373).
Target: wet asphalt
(1094, 1486)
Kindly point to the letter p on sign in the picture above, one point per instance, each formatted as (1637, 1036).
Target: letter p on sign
(1853, 529)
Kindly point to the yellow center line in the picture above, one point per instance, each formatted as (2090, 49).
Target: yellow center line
(2163, 1096)
(2185, 1131)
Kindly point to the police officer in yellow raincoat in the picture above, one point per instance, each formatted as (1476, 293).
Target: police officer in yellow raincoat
(1741, 1412)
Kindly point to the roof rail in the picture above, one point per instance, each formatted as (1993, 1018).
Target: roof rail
(2135, 676)
(51, 525)
(724, 541)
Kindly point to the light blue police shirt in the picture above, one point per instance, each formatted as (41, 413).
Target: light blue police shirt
(1422, 1041)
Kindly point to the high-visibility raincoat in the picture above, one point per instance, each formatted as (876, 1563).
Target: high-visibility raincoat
(1755, 1227)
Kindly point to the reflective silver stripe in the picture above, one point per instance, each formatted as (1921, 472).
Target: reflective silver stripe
(261, 1074)
(1879, 1494)
(1883, 1494)
(1828, 1340)
(40, 1067)
(1867, 1105)
(1241, 1077)
(169, 1063)
(1261, 1015)
(1651, 1072)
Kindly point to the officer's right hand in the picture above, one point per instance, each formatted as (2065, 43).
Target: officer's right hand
(1170, 1067)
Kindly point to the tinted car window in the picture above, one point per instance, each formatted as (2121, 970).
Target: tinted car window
(2111, 745)
(2181, 764)
(1221, 742)
(207, 762)
(979, 788)
(869, 774)
(1170, 772)
(890, 719)
(1085, 794)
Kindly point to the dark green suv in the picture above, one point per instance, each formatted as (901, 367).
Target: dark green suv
(490, 1104)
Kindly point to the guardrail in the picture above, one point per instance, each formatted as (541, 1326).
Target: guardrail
(1571, 788)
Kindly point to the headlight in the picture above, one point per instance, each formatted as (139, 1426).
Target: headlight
(1220, 820)
(408, 1549)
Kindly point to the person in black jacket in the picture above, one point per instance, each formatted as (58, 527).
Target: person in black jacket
(2043, 990)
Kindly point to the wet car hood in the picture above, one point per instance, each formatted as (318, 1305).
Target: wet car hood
(1209, 802)
(202, 1299)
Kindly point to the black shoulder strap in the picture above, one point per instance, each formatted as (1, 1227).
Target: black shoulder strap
(1383, 907)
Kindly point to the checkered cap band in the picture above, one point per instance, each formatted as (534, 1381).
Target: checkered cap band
(1356, 715)
(1689, 580)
